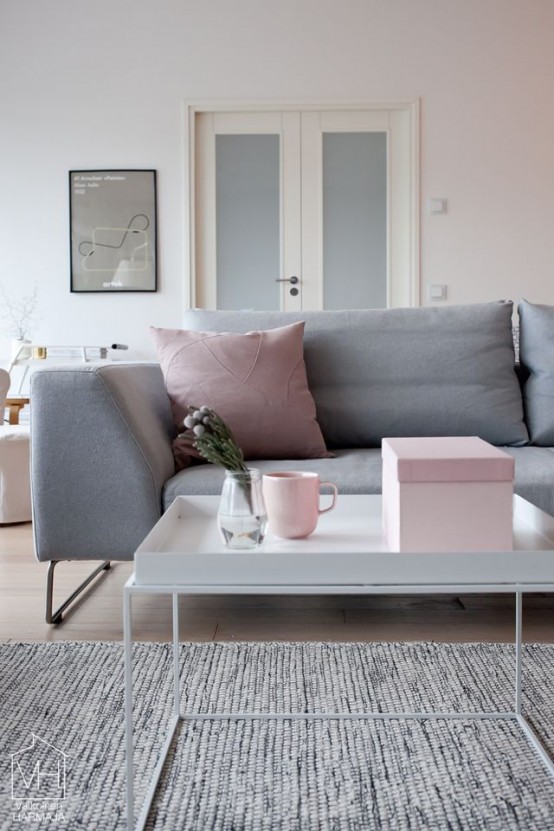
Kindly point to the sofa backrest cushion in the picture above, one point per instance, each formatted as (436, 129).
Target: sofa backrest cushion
(536, 352)
(402, 372)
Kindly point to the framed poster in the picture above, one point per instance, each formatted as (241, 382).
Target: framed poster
(113, 230)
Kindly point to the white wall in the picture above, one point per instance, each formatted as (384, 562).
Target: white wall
(100, 84)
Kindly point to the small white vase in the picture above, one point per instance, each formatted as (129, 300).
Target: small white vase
(20, 349)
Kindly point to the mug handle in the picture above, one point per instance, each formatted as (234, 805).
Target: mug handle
(335, 494)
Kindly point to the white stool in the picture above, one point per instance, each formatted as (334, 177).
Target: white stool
(15, 476)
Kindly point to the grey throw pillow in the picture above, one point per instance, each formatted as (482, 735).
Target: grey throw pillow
(536, 352)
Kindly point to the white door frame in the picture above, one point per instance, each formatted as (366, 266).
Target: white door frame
(406, 113)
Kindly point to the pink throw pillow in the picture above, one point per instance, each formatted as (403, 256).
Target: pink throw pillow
(255, 381)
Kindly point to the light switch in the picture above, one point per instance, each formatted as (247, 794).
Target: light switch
(437, 206)
(437, 291)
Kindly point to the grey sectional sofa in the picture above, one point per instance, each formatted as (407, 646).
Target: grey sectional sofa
(102, 465)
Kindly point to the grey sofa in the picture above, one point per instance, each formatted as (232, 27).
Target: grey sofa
(102, 465)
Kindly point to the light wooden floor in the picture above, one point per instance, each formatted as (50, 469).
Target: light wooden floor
(254, 618)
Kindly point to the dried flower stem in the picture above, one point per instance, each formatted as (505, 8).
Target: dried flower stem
(215, 442)
(213, 439)
(19, 314)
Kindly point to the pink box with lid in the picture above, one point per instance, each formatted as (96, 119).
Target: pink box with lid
(447, 494)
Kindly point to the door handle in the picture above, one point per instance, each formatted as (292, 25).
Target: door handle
(292, 280)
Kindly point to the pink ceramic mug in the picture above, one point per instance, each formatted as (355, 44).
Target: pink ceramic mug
(292, 502)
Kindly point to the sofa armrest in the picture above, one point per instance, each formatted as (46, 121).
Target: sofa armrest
(100, 453)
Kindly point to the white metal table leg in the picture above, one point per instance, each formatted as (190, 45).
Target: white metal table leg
(176, 693)
(174, 721)
(528, 731)
(128, 660)
(519, 610)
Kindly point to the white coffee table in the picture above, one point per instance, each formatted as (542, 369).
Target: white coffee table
(183, 554)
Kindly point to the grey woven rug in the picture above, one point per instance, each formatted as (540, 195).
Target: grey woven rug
(293, 775)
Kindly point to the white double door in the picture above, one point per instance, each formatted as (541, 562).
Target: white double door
(304, 209)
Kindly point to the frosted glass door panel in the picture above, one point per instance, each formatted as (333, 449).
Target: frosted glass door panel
(247, 221)
(355, 220)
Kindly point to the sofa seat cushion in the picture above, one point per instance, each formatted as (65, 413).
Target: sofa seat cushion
(353, 471)
(359, 471)
(534, 477)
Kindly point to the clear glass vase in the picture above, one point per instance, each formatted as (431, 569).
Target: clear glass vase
(241, 517)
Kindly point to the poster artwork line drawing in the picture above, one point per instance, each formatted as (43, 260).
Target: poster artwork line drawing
(138, 254)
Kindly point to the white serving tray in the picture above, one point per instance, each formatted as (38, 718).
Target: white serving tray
(346, 552)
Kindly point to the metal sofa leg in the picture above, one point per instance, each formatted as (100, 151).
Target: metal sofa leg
(56, 617)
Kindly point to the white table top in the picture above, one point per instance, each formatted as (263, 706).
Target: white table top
(347, 549)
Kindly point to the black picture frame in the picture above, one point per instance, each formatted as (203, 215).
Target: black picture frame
(113, 230)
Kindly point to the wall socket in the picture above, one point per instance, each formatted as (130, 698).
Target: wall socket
(437, 291)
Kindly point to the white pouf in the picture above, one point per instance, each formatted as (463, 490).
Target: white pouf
(15, 475)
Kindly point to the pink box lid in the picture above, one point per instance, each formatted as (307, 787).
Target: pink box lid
(447, 459)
